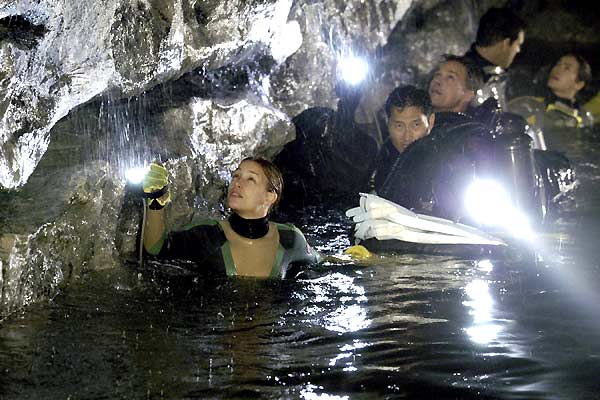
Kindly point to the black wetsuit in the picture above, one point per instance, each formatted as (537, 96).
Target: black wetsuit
(386, 157)
(329, 162)
(425, 177)
(206, 245)
(495, 78)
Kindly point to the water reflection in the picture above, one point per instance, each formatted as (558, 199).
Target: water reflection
(308, 393)
(350, 316)
(347, 352)
(483, 331)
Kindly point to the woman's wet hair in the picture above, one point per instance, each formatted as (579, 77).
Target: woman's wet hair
(274, 177)
(408, 96)
(584, 73)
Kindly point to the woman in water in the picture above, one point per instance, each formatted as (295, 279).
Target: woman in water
(567, 77)
(246, 244)
(558, 105)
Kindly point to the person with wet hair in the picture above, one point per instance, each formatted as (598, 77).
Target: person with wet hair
(454, 84)
(247, 244)
(557, 105)
(410, 117)
(500, 35)
(429, 170)
(567, 78)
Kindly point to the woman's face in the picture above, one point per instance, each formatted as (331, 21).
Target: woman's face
(248, 193)
(563, 79)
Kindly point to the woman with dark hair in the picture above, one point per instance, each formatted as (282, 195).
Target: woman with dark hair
(558, 105)
(246, 244)
(567, 78)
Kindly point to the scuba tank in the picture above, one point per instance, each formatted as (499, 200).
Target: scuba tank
(511, 163)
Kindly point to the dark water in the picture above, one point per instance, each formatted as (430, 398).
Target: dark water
(416, 327)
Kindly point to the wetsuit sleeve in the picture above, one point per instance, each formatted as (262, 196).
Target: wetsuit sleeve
(298, 250)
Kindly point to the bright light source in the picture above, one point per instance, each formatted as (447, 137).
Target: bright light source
(486, 200)
(353, 69)
(489, 204)
(136, 175)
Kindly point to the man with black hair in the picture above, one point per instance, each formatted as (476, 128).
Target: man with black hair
(425, 175)
(500, 35)
(410, 118)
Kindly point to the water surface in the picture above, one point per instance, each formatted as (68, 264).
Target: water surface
(407, 326)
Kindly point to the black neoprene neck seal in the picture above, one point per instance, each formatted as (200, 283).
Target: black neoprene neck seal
(249, 228)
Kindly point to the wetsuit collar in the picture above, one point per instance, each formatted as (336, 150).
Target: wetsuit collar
(552, 98)
(489, 69)
(249, 228)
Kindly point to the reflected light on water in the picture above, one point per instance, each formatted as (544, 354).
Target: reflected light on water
(347, 352)
(309, 394)
(350, 316)
(485, 266)
(481, 304)
(347, 319)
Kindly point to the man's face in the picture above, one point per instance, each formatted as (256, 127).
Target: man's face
(407, 125)
(564, 76)
(448, 89)
(512, 49)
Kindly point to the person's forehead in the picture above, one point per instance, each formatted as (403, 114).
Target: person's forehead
(453, 67)
(568, 59)
(407, 113)
(251, 167)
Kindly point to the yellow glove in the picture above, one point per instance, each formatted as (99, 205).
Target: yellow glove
(156, 187)
(358, 252)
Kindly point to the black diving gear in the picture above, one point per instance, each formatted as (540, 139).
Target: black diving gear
(249, 228)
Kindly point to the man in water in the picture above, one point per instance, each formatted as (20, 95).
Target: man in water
(454, 84)
(410, 118)
(500, 35)
(420, 178)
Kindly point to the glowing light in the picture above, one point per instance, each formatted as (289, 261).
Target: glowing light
(483, 334)
(353, 69)
(136, 175)
(490, 205)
